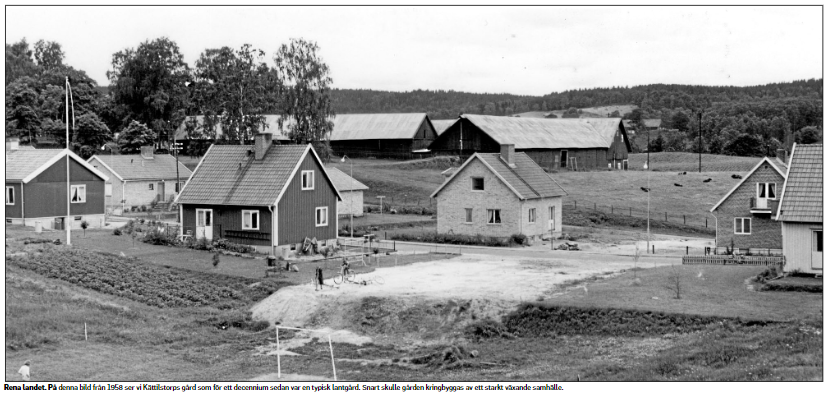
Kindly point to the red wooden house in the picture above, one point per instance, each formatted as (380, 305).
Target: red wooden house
(268, 196)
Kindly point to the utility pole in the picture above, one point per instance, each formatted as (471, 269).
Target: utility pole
(700, 114)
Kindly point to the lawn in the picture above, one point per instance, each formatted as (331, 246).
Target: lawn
(689, 162)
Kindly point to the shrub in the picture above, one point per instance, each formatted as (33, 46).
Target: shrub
(158, 238)
(453, 239)
(143, 209)
(117, 232)
(519, 238)
(224, 244)
(486, 329)
(768, 274)
(216, 259)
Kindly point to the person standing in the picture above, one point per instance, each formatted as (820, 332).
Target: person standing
(319, 278)
(25, 370)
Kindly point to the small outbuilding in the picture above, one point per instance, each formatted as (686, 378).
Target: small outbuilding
(351, 191)
(800, 211)
(36, 189)
(140, 179)
(382, 135)
(499, 195)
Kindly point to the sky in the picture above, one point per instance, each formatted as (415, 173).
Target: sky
(519, 50)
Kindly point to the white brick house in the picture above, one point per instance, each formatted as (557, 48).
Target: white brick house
(499, 195)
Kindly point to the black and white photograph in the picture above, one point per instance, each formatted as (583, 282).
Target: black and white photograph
(399, 197)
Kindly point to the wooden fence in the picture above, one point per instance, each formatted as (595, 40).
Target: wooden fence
(733, 260)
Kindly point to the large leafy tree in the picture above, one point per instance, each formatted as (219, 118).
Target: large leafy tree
(148, 84)
(134, 136)
(234, 88)
(305, 104)
(48, 54)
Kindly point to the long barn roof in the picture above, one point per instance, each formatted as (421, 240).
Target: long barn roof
(535, 133)
(376, 126)
(802, 198)
(441, 125)
(272, 128)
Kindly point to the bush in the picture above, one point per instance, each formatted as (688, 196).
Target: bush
(486, 329)
(143, 209)
(768, 274)
(117, 232)
(453, 239)
(158, 238)
(519, 238)
(224, 244)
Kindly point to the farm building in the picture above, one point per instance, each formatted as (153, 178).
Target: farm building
(182, 135)
(140, 179)
(352, 193)
(388, 135)
(441, 125)
(554, 144)
(267, 195)
(499, 195)
(13, 143)
(744, 214)
(36, 189)
(800, 211)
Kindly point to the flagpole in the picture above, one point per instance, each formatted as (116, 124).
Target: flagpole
(67, 222)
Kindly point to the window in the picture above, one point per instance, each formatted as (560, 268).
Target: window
(151, 186)
(321, 216)
(468, 215)
(79, 194)
(477, 183)
(532, 215)
(551, 217)
(78, 218)
(766, 190)
(10, 195)
(179, 186)
(742, 226)
(249, 220)
(493, 216)
(818, 241)
(107, 189)
(308, 180)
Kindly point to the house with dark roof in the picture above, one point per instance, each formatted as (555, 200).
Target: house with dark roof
(388, 135)
(744, 214)
(36, 189)
(554, 144)
(351, 191)
(499, 195)
(264, 195)
(140, 179)
(800, 211)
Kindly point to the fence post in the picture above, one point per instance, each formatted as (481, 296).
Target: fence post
(612, 209)
(686, 250)
(683, 219)
(706, 222)
(666, 216)
(653, 250)
(629, 211)
(574, 204)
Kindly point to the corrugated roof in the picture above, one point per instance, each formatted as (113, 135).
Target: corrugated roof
(376, 126)
(534, 133)
(802, 198)
(606, 127)
(21, 163)
(526, 179)
(135, 167)
(441, 125)
(228, 175)
(344, 182)
(272, 128)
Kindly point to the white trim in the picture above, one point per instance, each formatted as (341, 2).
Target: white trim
(311, 178)
(78, 187)
(13, 196)
(534, 215)
(757, 190)
(192, 175)
(95, 157)
(751, 172)
(788, 170)
(326, 217)
(471, 215)
(324, 171)
(742, 225)
(455, 175)
(257, 225)
(493, 223)
(57, 158)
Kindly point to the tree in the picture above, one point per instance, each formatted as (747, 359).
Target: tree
(615, 114)
(133, 137)
(19, 62)
(149, 85)
(234, 89)
(22, 119)
(808, 135)
(305, 95)
(571, 113)
(48, 54)
(636, 118)
(90, 134)
(679, 121)
(745, 145)
(550, 116)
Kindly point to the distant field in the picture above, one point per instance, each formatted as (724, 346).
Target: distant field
(597, 111)
(680, 162)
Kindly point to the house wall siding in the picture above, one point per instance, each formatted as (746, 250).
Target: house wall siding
(354, 199)
(296, 210)
(137, 192)
(765, 232)
(229, 218)
(16, 210)
(46, 194)
(540, 227)
(797, 246)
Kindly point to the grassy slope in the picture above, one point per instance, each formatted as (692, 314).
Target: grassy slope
(680, 161)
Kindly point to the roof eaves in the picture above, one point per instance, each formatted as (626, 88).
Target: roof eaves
(448, 180)
(112, 171)
(745, 178)
(191, 175)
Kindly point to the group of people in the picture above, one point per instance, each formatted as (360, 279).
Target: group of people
(319, 274)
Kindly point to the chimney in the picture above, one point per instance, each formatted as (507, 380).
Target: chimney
(263, 140)
(507, 153)
(148, 152)
(781, 155)
(12, 143)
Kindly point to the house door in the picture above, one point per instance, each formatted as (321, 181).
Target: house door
(817, 249)
(563, 159)
(203, 224)
(161, 191)
(551, 215)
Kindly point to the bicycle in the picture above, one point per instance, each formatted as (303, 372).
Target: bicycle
(348, 276)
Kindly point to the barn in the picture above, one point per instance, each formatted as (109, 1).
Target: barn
(383, 135)
(554, 144)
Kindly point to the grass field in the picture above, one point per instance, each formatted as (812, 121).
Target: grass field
(680, 162)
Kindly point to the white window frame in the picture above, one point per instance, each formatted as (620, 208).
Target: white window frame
(254, 224)
(308, 185)
(473, 185)
(757, 191)
(151, 186)
(12, 200)
(326, 221)
(497, 213)
(107, 189)
(531, 215)
(469, 210)
(742, 221)
(81, 192)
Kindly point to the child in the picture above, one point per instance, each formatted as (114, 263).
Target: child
(319, 278)
(24, 370)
